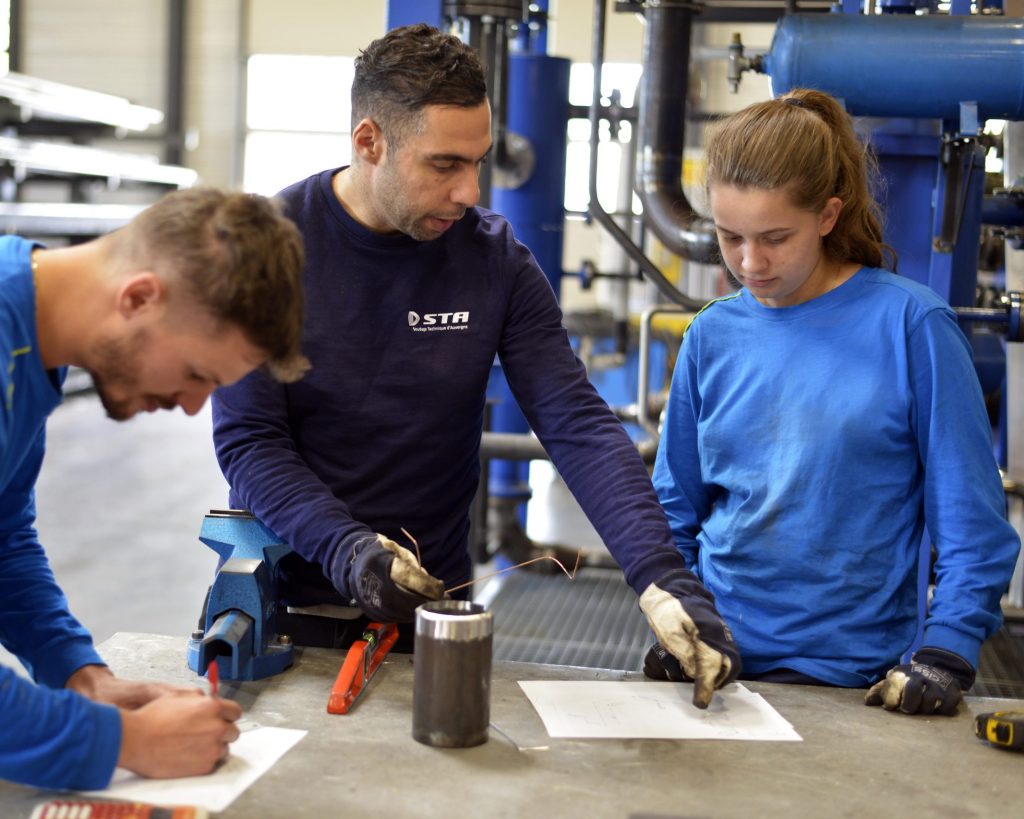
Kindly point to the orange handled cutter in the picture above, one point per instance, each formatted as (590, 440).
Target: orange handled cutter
(361, 663)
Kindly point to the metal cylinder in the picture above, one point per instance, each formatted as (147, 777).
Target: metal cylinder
(451, 695)
(904, 66)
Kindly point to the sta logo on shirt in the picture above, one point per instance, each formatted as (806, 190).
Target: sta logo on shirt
(435, 322)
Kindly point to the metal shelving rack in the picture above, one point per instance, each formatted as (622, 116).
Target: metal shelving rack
(45, 128)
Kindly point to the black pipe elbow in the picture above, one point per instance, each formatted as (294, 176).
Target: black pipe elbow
(661, 135)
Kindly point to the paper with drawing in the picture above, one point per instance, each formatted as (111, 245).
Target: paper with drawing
(653, 710)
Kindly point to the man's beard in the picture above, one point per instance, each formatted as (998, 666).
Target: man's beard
(391, 196)
(116, 366)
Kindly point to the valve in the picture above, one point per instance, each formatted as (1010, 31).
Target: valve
(738, 63)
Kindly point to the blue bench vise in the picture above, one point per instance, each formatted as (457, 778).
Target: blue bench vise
(239, 625)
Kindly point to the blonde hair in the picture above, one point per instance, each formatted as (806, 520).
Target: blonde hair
(805, 143)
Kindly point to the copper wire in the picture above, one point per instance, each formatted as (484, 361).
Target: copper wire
(572, 576)
(414, 543)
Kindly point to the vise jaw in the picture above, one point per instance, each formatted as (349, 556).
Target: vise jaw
(239, 625)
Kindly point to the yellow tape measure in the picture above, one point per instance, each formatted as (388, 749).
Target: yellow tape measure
(1002, 728)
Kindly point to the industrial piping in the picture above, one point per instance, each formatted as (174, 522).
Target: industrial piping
(520, 447)
(647, 267)
(661, 126)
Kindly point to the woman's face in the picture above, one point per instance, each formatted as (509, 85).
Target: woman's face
(772, 247)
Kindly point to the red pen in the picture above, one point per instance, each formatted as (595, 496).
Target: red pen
(211, 675)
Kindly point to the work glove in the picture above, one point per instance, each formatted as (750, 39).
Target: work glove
(932, 682)
(694, 643)
(386, 581)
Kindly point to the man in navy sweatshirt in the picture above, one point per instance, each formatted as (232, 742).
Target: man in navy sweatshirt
(411, 292)
(200, 289)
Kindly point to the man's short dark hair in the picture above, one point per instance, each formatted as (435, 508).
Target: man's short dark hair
(409, 68)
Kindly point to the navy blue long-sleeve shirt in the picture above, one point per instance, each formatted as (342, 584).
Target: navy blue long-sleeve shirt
(384, 432)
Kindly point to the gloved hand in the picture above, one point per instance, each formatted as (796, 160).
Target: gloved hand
(694, 643)
(932, 682)
(386, 581)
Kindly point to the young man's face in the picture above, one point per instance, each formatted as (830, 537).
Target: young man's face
(166, 365)
(425, 186)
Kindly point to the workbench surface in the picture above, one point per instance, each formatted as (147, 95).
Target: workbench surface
(854, 761)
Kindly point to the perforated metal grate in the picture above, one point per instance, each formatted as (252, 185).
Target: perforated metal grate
(592, 621)
(1001, 665)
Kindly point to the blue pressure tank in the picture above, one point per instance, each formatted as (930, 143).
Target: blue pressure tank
(538, 109)
(903, 65)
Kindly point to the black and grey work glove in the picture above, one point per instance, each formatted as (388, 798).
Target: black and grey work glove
(694, 643)
(932, 682)
(385, 580)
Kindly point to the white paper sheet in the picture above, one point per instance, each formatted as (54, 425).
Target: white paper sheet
(252, 755)
(653, 710)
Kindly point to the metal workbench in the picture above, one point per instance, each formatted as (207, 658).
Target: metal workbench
(854, 761)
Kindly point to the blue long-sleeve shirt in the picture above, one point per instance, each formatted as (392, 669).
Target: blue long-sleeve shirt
(384, 432)
(806, 448)
(51, 737)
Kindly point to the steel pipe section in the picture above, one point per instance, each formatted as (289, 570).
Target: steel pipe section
(904, 66)
(661, 130)
(526, 447)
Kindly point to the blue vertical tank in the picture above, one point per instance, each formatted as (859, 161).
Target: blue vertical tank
(538, 110)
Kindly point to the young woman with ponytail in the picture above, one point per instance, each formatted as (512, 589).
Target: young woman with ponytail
(819, 420)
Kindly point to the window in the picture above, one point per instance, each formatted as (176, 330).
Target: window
(622, 76)
(298, 112)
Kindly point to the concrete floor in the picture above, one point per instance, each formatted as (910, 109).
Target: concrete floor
(119, 510)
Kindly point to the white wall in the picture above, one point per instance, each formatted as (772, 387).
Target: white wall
(570, 33)
(114, 46)
(314, 26)
(214, 90)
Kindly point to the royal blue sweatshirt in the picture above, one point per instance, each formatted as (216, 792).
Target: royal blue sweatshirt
(51, 737)
(384, 432)
(805, 450)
